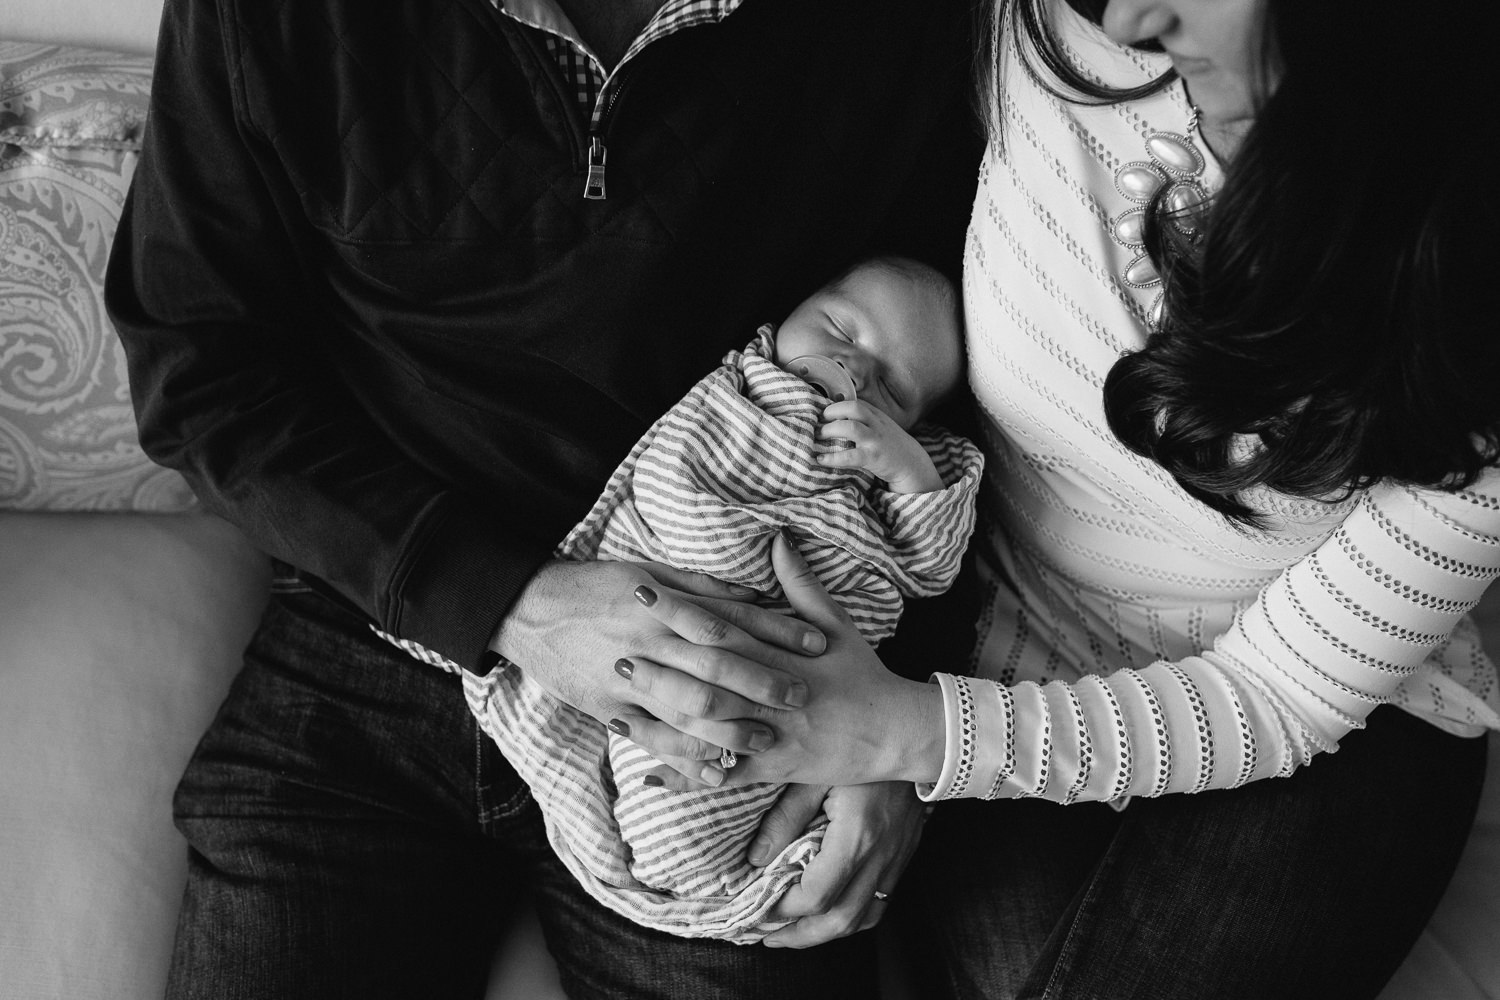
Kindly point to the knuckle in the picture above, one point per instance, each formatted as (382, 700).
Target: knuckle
(620, 710)
(700, 702)
(712, 630)
(769, 693)
(820, 902)
(709, 703)
(844, 926)
(732, 613)
(696, 750)
(707, 664)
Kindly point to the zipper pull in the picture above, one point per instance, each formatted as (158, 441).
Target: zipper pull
(593, 186)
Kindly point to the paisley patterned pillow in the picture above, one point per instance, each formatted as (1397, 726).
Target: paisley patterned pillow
(70, 128)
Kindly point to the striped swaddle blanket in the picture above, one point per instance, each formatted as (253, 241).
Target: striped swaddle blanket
(706, 489)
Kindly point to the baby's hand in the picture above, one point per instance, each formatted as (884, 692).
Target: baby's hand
(860, 436)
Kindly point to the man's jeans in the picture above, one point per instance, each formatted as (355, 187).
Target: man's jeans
(354, 835)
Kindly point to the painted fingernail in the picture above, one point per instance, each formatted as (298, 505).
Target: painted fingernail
(761, 739)
(624, 668)
(619, 726)
(652, 781)
(796, 695)
(757, 853)
(712, 776)
(645, 595)
(814, 642)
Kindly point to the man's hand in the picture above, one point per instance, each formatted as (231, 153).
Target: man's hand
(583, 631)
(876, 443)
(872, 831)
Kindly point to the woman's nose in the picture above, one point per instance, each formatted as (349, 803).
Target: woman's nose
(1129, 22)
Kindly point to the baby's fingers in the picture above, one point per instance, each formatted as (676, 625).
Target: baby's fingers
(843, 430)
(848, 409)
(841, 458)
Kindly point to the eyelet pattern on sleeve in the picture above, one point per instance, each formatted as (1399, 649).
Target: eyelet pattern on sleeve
(972, 768)
(1084, 745)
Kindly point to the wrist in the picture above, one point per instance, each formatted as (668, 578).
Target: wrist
(916, 481)
(919, 733)
(529, 615)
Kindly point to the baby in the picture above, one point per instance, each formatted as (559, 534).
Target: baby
(893, 327)
(811, 431)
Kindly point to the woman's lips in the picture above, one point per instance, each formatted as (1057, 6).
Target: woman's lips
(1190, 65)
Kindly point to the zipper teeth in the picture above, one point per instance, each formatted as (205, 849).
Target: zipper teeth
(609, 106)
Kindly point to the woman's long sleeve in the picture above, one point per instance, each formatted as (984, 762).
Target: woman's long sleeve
(1329, 639)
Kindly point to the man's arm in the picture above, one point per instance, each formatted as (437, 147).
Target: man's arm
(208, 288)
(214, 290)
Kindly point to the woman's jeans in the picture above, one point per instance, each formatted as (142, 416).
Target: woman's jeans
(1314, 886)
(353, 835)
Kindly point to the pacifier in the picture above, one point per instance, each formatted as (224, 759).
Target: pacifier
(825, 375)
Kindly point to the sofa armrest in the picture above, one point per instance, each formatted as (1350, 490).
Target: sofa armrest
(119, 634)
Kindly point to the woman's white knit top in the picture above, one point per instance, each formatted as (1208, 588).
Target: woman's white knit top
(1135, 642)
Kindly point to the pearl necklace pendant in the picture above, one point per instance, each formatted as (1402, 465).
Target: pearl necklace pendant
(1176, 163)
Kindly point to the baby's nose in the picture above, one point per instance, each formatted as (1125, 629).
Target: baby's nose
(857, 370)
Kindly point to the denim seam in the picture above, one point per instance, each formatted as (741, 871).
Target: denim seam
(1069, 945)
(512, 806)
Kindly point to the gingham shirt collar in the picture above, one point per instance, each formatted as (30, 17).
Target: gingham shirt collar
(580, 65)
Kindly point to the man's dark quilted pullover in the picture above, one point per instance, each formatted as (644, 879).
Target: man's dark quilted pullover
(384, 332)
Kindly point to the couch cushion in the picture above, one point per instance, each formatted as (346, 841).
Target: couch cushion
(70, 125)
(117, 643)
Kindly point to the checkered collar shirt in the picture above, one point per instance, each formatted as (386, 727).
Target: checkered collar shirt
(581, 68)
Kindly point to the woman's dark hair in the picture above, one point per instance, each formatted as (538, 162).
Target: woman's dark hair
(1333, 327)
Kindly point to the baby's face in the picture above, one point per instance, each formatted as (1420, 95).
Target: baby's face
(896, 336)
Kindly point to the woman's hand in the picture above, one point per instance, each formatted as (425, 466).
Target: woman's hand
(668, 677)
(861, 722)
(872, 832)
